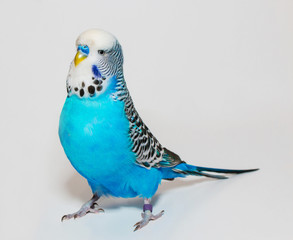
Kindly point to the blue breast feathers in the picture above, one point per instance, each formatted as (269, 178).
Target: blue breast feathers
(94, 135)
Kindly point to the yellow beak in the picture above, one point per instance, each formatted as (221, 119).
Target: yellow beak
(79, 57)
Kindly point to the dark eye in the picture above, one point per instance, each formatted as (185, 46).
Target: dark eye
(102, 52)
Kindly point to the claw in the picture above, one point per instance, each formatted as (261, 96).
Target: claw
(147, 216)
(63, 218)
(89, 207)
(137, 227)
(136, 224)
(94, 205)
(101, 210)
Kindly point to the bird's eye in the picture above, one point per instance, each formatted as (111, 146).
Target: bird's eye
(102, 52)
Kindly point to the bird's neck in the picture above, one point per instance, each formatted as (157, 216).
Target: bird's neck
(121, 88)
(90, 82)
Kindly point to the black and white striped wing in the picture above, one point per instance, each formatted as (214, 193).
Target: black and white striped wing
(149, 152)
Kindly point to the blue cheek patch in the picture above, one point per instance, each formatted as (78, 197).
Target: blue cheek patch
(96, 72)
(83, 48)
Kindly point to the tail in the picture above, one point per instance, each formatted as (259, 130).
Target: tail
(187, 169)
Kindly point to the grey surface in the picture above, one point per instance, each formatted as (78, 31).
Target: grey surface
(211, 79)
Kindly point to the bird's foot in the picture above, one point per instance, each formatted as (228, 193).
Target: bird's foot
(89, 207)
(146, 217)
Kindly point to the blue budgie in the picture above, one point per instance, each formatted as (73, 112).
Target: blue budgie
(105, 139)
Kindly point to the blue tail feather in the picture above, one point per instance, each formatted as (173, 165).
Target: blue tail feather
(184, 169)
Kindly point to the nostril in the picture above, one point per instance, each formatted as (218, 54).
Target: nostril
(84, 49)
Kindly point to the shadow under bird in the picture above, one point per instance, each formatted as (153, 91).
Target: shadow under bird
(105, 139)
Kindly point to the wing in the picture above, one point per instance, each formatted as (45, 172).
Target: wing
(149, 152)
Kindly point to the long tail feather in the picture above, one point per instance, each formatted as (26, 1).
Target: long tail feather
(219, 170)
(197, 173)
(187, 169)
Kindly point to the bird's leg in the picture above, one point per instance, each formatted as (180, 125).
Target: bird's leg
(89, 207)
(147, 215)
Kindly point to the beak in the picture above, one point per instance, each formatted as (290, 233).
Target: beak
(79, 57)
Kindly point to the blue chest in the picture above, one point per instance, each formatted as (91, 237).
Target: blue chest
(94, 135)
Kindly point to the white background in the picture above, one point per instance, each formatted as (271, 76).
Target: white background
(212, 79)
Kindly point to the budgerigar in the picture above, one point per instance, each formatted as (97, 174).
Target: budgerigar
(105, 139)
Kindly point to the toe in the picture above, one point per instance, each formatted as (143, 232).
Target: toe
(139, 225)
(146, 217)
(95, 210)
(136, 224)
(154, 217)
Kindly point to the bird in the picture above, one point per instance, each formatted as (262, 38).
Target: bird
(104, 137)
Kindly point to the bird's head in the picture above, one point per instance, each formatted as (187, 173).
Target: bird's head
(98, 58)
